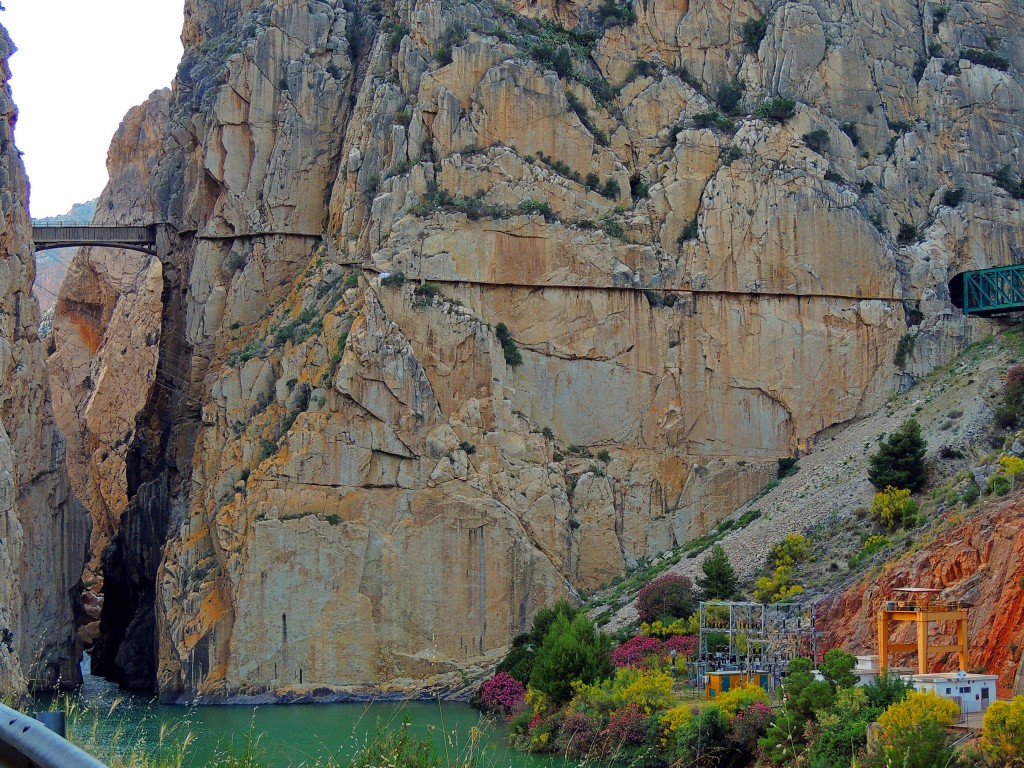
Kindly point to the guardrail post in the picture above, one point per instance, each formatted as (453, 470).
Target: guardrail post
(55, 721)
(27, 743)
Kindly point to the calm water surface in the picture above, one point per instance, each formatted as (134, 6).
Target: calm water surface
(286, 735)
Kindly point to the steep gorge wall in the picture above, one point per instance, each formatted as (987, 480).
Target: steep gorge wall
(44, 531)
(359, 489)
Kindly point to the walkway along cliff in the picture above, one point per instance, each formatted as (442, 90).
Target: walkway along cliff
(471, 305)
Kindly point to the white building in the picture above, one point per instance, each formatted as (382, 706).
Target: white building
(972, 693)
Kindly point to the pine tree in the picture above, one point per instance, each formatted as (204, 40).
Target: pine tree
(719, 581)
(899, 461)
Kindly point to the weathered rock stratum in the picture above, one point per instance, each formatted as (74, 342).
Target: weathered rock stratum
(463, 306)
(44, 531)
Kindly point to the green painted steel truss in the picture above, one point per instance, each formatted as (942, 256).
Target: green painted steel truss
(992, 291)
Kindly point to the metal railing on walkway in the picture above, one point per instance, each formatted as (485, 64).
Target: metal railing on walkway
(27, 743)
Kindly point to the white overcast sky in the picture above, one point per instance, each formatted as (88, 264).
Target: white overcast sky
(79, 68)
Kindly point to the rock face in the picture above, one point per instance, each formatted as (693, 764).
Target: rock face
(44, 531)
(348, 476)
(979, 561)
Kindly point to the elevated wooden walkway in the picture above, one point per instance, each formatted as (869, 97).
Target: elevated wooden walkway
(136, 238)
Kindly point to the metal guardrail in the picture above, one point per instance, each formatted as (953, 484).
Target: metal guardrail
(25, 737)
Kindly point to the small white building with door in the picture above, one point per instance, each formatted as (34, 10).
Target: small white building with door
(972, 693)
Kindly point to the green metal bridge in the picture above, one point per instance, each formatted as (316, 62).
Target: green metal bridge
(987, 292)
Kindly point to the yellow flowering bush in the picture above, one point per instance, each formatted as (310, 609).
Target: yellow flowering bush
(777, 588)
(916, 708)
(664, 631)
(740, 698)
(536, 701)
(1002, 732)
(672, 720)
(650, 690)
(1011, 465)
(894, 508)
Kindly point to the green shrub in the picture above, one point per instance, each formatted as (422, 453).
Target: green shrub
(572, 650)
(612, 13)
(753, 31)
(604, 456)
(393, 280)
(970, 494)
(729, 94)
(834, 177)
(235, 262)
(788, 466)
(779, 109)
(611, 188)
(998, 485)
(1004, 179)
(904, 348)
(705, 119)
(467, 447)
(612, 228)
(985, 58)
(731, 153)
(816, 139)
(690, 232)
(351, 279)
(907, 234)
(548, 433)
(542, 207)
(872, 546)
(508, 346)
(899, 460)
(395, 34)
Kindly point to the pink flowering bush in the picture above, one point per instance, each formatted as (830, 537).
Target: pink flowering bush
(750, 724)
(503, 694)
(577, 735)
(683, 645)
(627, 727)
(635, 651)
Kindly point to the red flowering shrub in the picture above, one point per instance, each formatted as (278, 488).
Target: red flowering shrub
(577, 735)
(503, 694)
(627, 727)
(683, 645)
(667, 596)
(750, 724)
(635, 651)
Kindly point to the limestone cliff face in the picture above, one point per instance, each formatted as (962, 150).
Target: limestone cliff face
(44, 532)
(361, 483)
(979, 561)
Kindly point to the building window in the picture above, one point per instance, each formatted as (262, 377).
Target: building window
(949, 690)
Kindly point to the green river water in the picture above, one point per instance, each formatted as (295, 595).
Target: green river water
(285, 735)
